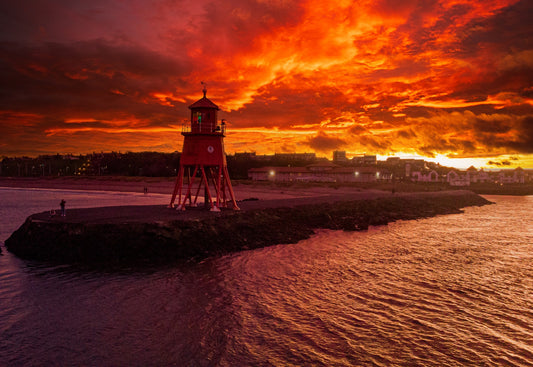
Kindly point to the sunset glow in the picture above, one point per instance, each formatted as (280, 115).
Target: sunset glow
(446, 81)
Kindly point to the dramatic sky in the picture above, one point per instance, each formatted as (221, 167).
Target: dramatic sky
(447, 80)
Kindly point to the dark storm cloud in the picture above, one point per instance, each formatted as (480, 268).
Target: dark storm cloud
(402, 69)
(510, 29)
(499, 163)
(295, 100)
(495, 126)
(468, 134)
(406, 134)
(395, 7)
(508, 132)
(521, 142)
(421, 36)
(357, 129)
(375, 144)
(325, 143)
(501, 48)
(93, 77)
(229, 28)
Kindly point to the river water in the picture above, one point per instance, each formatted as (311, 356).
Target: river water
(445, 291)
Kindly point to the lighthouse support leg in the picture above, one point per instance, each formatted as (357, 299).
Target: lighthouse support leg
(218, 187)
(188, 197)
(215, 177)
(223, 183)
(181, 206)
(177, 187)
(230, 189)
(197, 190)
(204, 179)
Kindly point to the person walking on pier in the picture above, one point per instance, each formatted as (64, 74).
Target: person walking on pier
(62, 204)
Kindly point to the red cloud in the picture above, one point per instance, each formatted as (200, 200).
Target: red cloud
(386, 76)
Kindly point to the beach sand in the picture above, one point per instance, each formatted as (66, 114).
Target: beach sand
(249, 196)
(163, 185)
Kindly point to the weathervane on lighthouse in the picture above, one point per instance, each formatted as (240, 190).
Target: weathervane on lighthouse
(203, 155)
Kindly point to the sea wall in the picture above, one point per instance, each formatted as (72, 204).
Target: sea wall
(222, 233)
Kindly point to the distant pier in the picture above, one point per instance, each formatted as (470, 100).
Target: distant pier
(157, 234)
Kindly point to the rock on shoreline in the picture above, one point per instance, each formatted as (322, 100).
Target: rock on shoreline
(149, 241)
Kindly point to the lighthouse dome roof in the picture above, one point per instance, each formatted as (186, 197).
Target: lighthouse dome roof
(204, 102)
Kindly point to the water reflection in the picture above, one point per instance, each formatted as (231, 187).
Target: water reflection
(450, 290)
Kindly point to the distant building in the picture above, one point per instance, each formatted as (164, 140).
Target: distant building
(322, 167)
(457, 178)
(364, 160)
(472, 176)
(511, 176)
(475, 176)
(339, 156)
(425, 176)
(393, 161)
(528, 175)
(326, 172)
(413, 165)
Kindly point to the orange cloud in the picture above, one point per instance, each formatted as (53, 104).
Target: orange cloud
(429, 78)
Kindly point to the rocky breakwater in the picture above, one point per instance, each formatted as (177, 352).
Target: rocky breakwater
(158, 234)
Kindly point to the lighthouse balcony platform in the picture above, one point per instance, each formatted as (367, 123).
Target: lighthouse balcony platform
(205, 128)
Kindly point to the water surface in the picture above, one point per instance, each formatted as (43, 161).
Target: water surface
(445, 291)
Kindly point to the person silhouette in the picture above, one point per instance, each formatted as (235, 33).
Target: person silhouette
(63, 210)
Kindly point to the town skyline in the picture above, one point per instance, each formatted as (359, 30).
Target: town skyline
(444, 81)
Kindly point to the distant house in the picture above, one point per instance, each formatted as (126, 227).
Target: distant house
(321, 172)
(528, 175)
(457, 178)
(413, 165)
(511, 176)
(475, 176)
(425, 176)
(519, 175)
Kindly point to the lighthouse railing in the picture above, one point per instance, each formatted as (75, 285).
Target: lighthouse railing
(206, 128)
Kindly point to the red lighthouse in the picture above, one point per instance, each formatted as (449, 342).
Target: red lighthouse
(203, 160)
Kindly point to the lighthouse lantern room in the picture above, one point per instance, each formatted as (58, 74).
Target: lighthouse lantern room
(203, 161)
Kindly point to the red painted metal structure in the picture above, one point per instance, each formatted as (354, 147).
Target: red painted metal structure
(203, 160)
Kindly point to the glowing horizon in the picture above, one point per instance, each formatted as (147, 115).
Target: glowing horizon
(446, 81)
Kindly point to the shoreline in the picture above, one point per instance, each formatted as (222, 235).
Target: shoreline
(245, 189)
(96, 183)
(163, 185)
